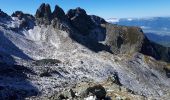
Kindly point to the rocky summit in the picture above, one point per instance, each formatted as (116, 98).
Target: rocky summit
(75, 56)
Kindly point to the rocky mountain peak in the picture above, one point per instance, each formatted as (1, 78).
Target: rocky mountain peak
(98, 20)
(43, 14)
(59, 13)
(18, 14)
(26, 20)
(43, 11)
(78, 12)
(80, 20)
(3, 15)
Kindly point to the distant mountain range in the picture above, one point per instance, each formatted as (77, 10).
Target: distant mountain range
(156, 29)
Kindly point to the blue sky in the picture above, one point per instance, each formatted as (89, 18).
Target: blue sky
(103, 8)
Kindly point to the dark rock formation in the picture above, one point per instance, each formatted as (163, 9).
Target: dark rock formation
(43, 14)
(167, 72)
(4, 16)
(60, 20)
(59, 13)
(18, 14)
(97, 90)
(57, 18)
(157, 51)
(80, 20)
(27, 20)
(97, 20)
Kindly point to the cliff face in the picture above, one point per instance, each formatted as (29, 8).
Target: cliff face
(123, 39)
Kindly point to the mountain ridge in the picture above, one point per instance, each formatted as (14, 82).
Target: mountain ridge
(53, 51)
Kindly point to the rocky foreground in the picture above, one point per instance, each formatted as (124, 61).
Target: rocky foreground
(75, 56)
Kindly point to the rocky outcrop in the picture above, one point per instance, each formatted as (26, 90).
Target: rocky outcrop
(3, 15)
(80, 20)
(123, 39)
(27, 21)
(155, 50)
(57, 18)
(59, 13)
(128, 40)
(92, 91)
(97, 20)
(43, 14)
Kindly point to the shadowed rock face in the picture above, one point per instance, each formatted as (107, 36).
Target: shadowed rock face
(4, 16)
(97, 20)
(43, 14)
(155, 50)
(60, 20)
(18, 14)
(80, 20)
(59, 13)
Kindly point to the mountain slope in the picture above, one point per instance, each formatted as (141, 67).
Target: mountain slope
(54, 51)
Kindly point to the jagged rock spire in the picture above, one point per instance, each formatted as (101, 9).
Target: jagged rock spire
(59, 13)
(3, 15)
(43, 14)
(80, 20)
(44, 11)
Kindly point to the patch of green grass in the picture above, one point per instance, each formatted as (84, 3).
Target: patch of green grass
(132, 35)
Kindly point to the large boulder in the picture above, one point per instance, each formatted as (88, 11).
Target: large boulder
(43, 14)
(97, 90)
(80, 20)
